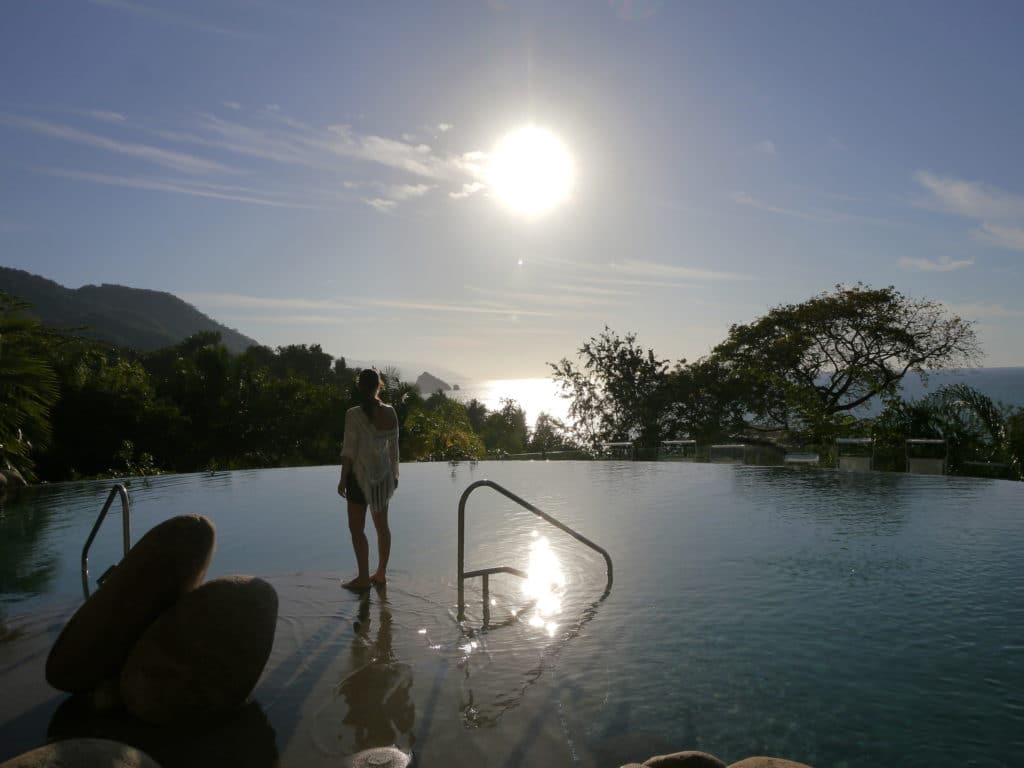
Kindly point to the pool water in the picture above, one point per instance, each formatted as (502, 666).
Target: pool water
(835, 619)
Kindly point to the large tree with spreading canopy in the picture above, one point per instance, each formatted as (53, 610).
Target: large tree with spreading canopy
(803, 365)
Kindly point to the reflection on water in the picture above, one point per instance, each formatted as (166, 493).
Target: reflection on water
(372, 704)
(544, 584)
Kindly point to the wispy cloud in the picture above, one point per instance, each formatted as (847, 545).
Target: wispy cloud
(468, 189)
(565, 298)
(242, 301)
(290, 142)
(743, 198)
(161, 16)
(232, 105)
(178, 161)
(394, 172)
(651, 269)
(106, 117)
(998, 213)
(444, 127)
(380, 204)
(766, 147)
(407, 191)
(1003, 235)
(944, 264)
(971, 199)
(455, 308)
(175, 186)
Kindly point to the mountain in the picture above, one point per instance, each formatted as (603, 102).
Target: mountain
(129, 317)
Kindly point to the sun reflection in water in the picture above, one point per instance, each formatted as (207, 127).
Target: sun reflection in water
(544, 584)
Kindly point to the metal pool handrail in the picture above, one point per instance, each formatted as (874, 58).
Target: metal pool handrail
(486, 572)
(126, 530)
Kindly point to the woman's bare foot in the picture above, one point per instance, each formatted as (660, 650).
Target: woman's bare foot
(357, 584)
(379, 579)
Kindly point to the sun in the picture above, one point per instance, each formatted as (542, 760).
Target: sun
(530, 171)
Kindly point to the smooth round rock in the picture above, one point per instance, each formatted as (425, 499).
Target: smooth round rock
(687, 759)
(759, 761)
(202, 658)
(381, 757)
(83, 753)
(166, 563)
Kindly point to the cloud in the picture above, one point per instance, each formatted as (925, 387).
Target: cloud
(232, 105)
(745, 199)
(1005, 236)
(407, 191)
(455, 308)
(444, 127)
(165, 17)
(1000, 214)
(766, 147)
(971, 199)
(178, 161)
(175, 186)
(241, 301)
(640, 268)
(106, 117)
(945, 264)
(380, 204)
(468, 189)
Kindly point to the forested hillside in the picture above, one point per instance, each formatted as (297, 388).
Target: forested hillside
(136, 318)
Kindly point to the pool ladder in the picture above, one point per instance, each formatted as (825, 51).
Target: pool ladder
(126, 530)
(485, 573)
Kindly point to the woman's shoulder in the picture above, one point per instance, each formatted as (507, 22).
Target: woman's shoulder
(353, 410)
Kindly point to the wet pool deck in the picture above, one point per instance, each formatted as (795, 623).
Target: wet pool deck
(348, 672)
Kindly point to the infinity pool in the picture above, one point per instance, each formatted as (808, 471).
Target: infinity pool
(835, 619)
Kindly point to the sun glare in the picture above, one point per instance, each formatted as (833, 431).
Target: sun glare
(531, 171)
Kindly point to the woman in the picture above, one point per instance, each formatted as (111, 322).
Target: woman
(369, 474)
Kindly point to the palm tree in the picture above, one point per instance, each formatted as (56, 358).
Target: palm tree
(28, 385)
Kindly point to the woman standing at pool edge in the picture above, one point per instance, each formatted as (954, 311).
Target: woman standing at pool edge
(369, 475)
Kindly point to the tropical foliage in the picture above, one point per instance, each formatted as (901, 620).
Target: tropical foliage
(28, 385)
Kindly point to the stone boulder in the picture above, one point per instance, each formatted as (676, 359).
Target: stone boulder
(687, 759)
(767, 762)
(202, 658)
(82, 753)
(166, 563)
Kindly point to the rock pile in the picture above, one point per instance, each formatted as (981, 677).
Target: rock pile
(172, 649)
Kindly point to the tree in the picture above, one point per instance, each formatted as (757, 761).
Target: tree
(505, 430)
(28, 385)
(975, 429)
(802, 364)
(549, 434)
(619, 392)
(442, 433)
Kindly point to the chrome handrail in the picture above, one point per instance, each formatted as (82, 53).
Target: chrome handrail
(486, 572)
(126, 530)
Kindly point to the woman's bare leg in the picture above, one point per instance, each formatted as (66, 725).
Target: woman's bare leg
(356, 524)
(380, 522)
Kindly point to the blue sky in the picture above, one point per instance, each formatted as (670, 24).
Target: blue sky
(316, 172)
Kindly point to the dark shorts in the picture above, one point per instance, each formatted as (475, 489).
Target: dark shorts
(355, 493)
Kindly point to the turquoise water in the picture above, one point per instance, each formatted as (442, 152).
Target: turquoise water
(835, 619)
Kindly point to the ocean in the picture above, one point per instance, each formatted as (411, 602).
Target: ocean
(541, 395)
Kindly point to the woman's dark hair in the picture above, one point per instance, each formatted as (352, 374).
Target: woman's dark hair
(367, 386)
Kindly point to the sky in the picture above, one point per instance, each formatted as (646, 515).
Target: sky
(324, 173)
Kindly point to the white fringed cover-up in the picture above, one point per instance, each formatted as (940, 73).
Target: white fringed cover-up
(374, 455)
